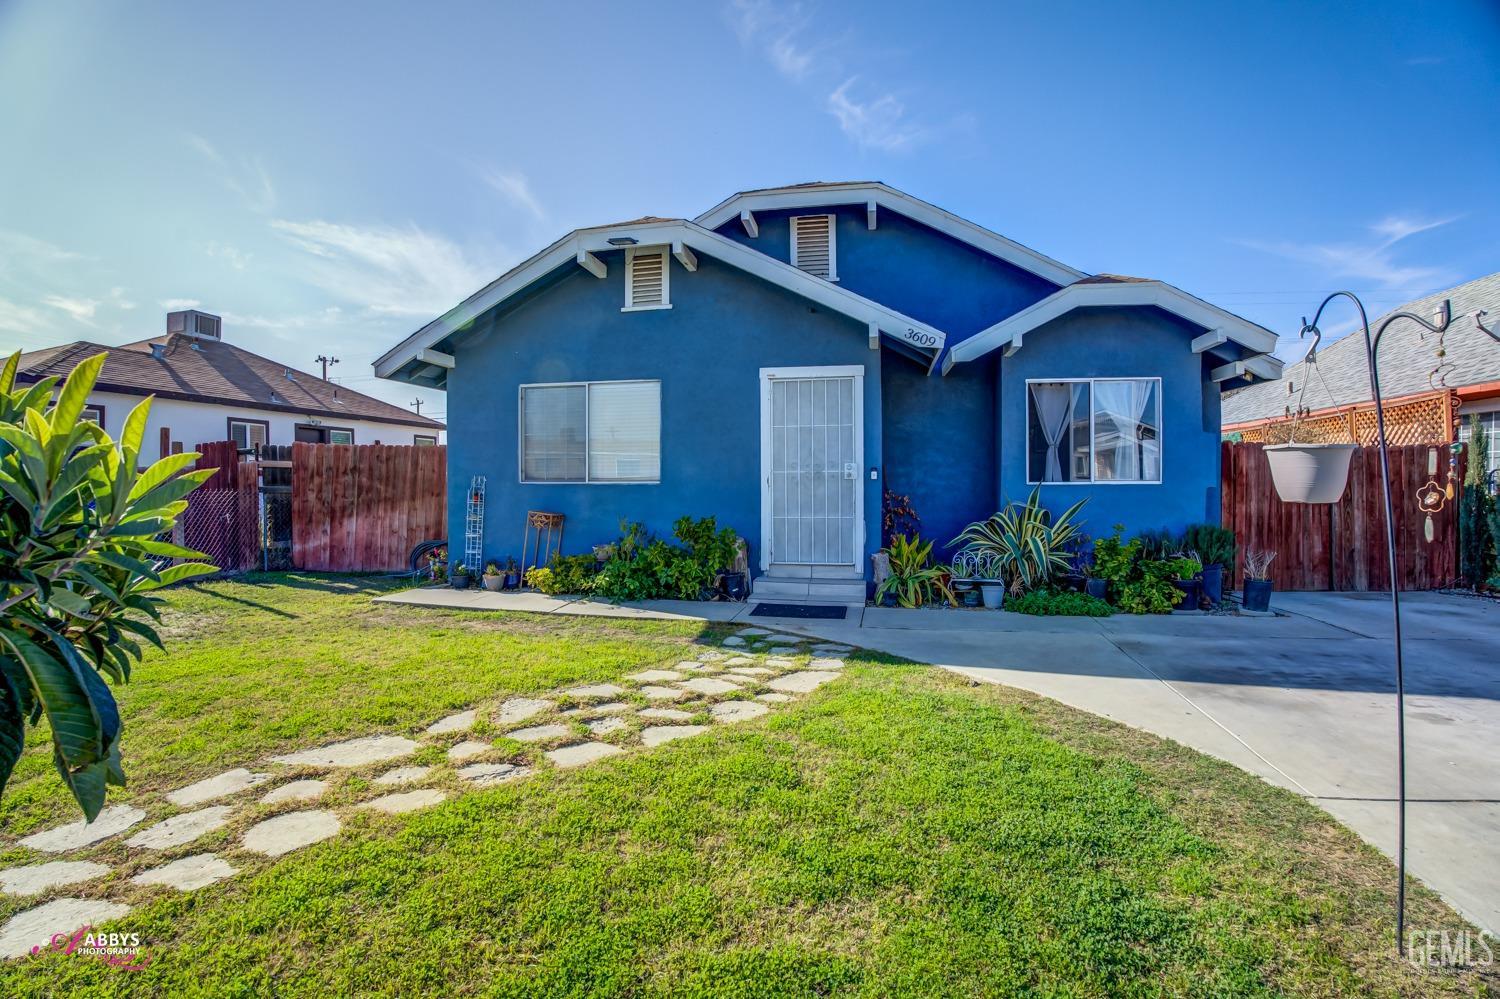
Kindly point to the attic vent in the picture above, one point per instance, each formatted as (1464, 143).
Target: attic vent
(813, 245)
(646, 279)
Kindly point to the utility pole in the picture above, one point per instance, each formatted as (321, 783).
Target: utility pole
(326, 361)
(417, 403)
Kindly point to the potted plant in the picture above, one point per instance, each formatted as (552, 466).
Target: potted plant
(1021, 547)
(1185, 570)
(1258, 580)
(912, 581)
(512, 573)
(1215, 548)
(460, 576)
(492, 579)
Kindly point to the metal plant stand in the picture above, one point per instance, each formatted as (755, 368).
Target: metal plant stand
(1372, 349)
(474, 526)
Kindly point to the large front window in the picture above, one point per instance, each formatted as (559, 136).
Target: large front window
(1093, 430)
(591, 432)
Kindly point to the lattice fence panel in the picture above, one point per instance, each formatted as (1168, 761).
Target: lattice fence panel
(1426, 420)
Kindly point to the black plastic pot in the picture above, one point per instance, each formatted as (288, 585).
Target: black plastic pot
(732, 585)
(1189, 590)
(1212, 578)
(1257, 595)
(1097, 588)
(459, 582)
(1073, 582)
(512, 580)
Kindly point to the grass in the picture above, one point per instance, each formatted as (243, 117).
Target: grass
(899, 832)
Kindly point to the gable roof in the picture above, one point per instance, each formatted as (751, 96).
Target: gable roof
(1119, 291)
(417, 359)
(873, 192)
(1407, 358)
(202, 369)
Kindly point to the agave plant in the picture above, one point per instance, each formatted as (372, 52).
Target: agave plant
(1024, 543)
(78, 555)
(912, 580)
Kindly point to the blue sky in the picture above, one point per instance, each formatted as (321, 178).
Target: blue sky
(329, 177)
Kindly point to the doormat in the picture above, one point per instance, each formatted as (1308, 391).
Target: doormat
(833, 613)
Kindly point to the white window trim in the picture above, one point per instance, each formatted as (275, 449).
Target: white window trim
(833, 243)
(585, 481)
(666, 277)
(1161, 436)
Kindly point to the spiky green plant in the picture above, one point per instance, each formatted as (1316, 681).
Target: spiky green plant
(913, 581)
(1028, 544)
(78, 557)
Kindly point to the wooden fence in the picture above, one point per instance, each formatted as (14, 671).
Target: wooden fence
(362, 508)
(1341, 546)
(222, 518)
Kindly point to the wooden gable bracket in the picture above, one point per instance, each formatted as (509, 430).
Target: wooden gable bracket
(1210, 340)
(592, 264)
(747, 219)
(685, 256)
(1224, 372)
(870, 214)
(429, 356)
(874, 337)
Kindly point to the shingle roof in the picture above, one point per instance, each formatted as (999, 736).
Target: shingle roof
(201, 369)
(1408, 355)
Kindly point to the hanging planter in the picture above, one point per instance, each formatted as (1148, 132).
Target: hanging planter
(1309, 473)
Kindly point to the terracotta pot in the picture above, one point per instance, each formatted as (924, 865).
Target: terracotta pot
(493, 583)
(1309, 473)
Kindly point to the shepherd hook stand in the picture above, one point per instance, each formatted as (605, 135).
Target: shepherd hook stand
(1372, 348)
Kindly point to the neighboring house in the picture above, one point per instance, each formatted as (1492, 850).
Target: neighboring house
(779, 360)
(1427, 399)
(209, 390)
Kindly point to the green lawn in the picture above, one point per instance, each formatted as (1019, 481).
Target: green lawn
(898, 832)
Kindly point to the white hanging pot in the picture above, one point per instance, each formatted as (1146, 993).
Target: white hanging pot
(1309, 473)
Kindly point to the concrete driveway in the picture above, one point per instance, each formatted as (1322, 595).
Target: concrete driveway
(1305, 700)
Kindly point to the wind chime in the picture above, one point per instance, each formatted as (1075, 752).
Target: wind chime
(1432, 498)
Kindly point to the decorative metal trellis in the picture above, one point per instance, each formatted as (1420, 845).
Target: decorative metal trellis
(474, 525)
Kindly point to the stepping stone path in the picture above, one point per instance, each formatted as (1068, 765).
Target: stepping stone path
(189, 873)
(486, 774)
(768, 680)
(595, 691)
(737, 711)
(582, 754)
(352, 752)
(461, 722)
(658, 734)
(110, 822)
(180, 829)
(468, 749)
(401, 775)
(36, 927)
(37, 878)
(291, 831)
(518, 709)
(297, 790)
(540, 733)
(406, 801)
(227, 783)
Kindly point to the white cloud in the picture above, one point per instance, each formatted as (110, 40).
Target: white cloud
(1371, 260)
(790, 60)
(403, 271)
(178, 304)
(514, 186)
(81, 309)
(18, 247)
(879, 123)
(23, 319)
(118, 300)
(246, 177)
(236, 258)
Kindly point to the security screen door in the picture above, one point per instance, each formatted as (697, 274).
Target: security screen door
(812, 481)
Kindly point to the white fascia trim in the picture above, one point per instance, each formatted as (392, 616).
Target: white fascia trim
(670, 233)
(1009, 332)
(882, 196)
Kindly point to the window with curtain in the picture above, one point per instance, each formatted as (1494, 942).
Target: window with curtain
(591, 432)
(1094, 430)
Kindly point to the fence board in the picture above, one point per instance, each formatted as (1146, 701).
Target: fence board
(1341, 546)
(362, 508)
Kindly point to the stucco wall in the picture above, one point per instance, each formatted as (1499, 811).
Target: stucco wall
(911, 268)
(1122, 343)
(707, 350)
(195, 423)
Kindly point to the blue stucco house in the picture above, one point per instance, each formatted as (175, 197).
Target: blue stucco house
(782, 358)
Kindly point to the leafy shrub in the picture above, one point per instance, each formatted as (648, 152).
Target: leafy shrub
(1115, 560)
(1184, 568)
(1152, 591)
(1139, 584)
(1028, 544)
(645, 568)
(1214, 544)
(1052, 603)
(1476, 510)
(1159, 545)
(78, 529)
(912, 580)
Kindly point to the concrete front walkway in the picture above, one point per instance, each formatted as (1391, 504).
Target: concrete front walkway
(1304, 700)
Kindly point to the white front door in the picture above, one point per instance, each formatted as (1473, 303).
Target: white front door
(812, 448)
